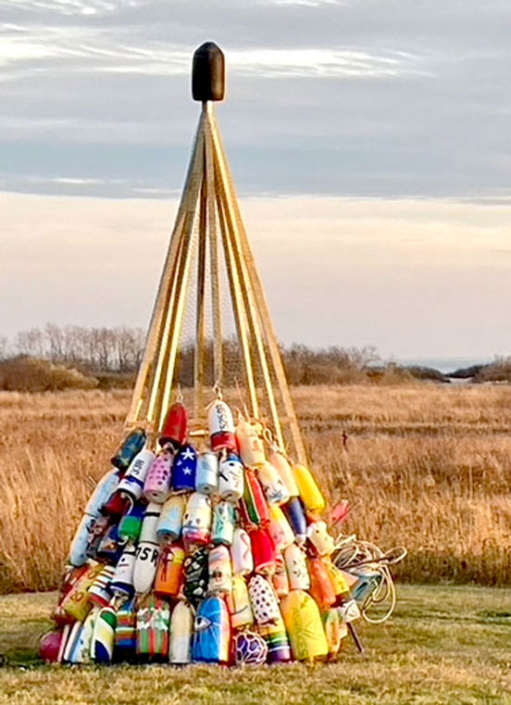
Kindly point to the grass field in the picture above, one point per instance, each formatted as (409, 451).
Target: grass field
(426, 466)
(444, 645)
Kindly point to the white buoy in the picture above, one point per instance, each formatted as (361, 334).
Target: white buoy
(207, 474)
(148, 551)
(181, 627)
(132, 484)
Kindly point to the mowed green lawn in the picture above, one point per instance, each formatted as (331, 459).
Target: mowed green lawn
(443, 645)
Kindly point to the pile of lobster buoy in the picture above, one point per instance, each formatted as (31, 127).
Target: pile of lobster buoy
(216, 554)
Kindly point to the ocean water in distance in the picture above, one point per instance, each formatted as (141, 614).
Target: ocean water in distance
(443, 364)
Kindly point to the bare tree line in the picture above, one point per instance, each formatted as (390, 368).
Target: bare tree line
(108, 349)
(95, 350)
(120, 349)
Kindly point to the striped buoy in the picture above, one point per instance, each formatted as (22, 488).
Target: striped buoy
(103, 637)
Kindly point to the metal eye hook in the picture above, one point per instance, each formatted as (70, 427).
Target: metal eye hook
(268, 437)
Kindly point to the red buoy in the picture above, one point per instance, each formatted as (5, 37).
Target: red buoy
(175, 430)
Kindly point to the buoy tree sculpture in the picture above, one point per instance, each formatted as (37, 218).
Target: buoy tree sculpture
(204, 542)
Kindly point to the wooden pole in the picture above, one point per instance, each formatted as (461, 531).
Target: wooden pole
(198, 358)
(216, 303)
(254, 281)
(238, 309)
(165, 333)
(153, 338)
(175, 289)
(250, 304)
(182, 280)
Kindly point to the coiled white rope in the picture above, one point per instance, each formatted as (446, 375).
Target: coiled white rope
(366, 559)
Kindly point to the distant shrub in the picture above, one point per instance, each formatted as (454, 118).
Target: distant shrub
(498, 371)
(116, 380)
(389, 374)
(468, 372)
(333, 365)
(29, 374)
(426, 373)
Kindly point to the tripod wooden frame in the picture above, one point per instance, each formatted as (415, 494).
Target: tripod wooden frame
(209, 205)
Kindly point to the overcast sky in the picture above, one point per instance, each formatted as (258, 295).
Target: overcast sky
(370, 142)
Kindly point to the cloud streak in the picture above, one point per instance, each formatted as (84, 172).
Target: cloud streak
(349, 98)
(97, 50)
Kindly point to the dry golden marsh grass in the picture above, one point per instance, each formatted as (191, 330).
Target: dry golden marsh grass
(425, 466)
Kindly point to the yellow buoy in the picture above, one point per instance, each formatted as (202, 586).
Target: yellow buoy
(338, 578)
(335, 630)
(308, 488)
(304, 626)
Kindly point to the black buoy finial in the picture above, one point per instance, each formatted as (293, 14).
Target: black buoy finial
(208, 73)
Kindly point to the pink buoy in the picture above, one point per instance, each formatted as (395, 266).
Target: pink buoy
(49, 646)
(157, 484)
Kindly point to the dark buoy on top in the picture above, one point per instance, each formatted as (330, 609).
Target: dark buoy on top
(208, 73)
